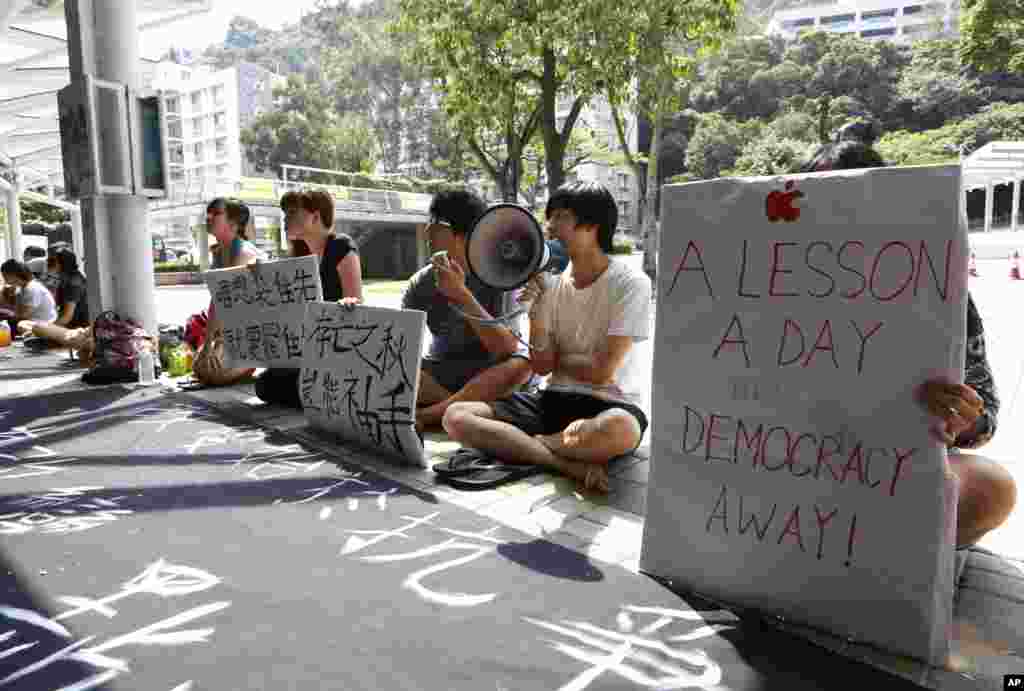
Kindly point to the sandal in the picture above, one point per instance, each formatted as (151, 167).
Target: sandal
(495, 476)
(464, 461)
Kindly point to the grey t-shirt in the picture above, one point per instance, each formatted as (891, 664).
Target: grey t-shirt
(452, 336)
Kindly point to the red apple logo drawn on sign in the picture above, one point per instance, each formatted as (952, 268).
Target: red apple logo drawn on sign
(779, 205)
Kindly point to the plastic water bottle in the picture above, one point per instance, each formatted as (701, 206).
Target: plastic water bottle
(147, 370)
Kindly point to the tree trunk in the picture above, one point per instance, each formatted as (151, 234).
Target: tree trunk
(554, 152)
(651, 235)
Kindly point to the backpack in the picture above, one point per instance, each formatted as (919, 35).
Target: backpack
(118, 343)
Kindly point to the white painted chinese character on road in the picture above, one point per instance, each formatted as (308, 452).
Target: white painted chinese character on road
(646, 656)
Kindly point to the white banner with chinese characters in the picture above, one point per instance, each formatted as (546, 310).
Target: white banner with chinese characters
(264, 310)
(793, 469)
(359, 376)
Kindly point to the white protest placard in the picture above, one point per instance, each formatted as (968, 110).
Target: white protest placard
(793, 470)
(264, 310)
(359, 376)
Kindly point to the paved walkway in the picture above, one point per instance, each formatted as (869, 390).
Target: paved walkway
(609, 529)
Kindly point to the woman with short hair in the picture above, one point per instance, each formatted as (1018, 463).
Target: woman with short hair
(309, 224)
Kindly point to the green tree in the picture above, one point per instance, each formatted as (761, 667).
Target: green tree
(992, 34)
(659, 42)
(771, 154)
(306, 130)
(362, 62)
(935, 87)
(999, 121)
(716, 144)
(40, 212)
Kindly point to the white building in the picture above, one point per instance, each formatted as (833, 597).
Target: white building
(893, 20)
(620, 180)
(206, 112)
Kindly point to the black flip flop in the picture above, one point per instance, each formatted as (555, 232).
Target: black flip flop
(464, 461)
(496, 476)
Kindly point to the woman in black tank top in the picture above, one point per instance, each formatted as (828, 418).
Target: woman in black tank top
(309, 224)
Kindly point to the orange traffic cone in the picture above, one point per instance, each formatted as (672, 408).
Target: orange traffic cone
(972, 266)
(1015, 266)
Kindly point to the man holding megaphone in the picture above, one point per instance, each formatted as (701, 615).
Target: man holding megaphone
(583, 324)
(472, 357)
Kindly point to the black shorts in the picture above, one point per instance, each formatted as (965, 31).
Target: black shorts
(548, 412)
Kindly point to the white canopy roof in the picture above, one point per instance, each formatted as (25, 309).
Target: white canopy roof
(995, 163)
(34, 66)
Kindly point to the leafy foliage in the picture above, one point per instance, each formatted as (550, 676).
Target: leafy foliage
(992, 34)
(307, 130)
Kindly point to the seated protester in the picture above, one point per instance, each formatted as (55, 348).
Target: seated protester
(33, 302)
(227, 220)
(35, 259)
(583, 326)
(467, 360)
(71, 300)
(51, 276)
(967, 411)
(309, 224)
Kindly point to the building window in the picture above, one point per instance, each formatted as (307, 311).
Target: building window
(197, 127)
(186, 75)
(912, 9)
(222, 146)
(837, 19)
(220, 122)
(176, 152)
(878, 14)
(177, 174)
(794, 24)
(623, 181)
(172, 105)
(174, 129)
(625, 208)
(878, 33)
(218, 95)
(222, 171)
(197, 151)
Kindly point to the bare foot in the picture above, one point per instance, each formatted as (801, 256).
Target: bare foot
(591, 477)
(577, 434)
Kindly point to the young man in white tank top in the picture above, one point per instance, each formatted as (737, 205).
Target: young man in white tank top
(583, 327)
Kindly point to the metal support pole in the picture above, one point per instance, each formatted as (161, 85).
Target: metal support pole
(1016, 204)
(203, 245)
(77, 241)
(990, 190)
(14, 218)
(103, 40)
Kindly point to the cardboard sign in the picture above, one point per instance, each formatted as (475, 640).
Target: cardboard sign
(793, 470)
(264, 311)
(360, 378)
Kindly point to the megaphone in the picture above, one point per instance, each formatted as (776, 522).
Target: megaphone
(506, 247)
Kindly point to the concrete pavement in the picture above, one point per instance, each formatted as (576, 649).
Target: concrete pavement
(609, 529)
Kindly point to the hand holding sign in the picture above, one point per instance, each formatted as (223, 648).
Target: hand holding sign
(786, 448)
(957, 405)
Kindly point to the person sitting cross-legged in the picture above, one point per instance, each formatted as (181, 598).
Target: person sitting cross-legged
(583, 327)
(468, 359)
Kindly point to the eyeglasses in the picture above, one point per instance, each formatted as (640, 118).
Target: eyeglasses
(435, 221)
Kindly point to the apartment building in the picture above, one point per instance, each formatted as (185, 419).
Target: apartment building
(892, 20)
(206, 112)
(620, 180)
